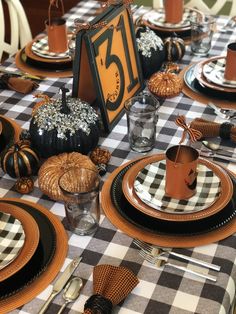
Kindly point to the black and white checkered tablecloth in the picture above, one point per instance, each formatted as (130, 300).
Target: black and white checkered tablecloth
(159, 291)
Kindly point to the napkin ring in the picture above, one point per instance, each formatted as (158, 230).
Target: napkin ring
(225, 130)
(98, 304)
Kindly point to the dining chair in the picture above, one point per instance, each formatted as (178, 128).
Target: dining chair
(224, 7)
(20, 33)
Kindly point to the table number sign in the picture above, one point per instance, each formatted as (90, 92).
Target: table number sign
(106, 67)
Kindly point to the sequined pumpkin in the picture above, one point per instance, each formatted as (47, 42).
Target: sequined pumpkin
(20, 160)
(54, 131)
(175, 48)
(151, 51)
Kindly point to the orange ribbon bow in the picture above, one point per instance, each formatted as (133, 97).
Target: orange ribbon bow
(86, 26)
(194, 135)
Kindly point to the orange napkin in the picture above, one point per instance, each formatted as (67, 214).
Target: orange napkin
(225, 130)
(111, 285)
(20, 85)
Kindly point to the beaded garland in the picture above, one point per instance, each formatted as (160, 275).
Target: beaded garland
(49, 117)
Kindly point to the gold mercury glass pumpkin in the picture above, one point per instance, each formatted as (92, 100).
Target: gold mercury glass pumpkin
(55, 166)
(165, 84)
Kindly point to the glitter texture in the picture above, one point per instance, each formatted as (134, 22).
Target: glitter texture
(49, 117)
(147, 41)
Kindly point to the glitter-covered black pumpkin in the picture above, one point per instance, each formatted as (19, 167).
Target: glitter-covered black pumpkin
(151, 51)
(20, 160)
(64, 125)
(175, 48)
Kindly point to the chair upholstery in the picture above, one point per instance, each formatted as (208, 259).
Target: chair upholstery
(20, 30)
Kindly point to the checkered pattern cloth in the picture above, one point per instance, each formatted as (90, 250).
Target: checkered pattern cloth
(214, 72)
(40, 48)
(12, 238)
(157, 18)
(150, 187)
(159, 290)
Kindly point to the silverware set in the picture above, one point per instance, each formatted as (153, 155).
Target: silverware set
(72, 289)
(226, 114)
(229, 25)
(158, 256)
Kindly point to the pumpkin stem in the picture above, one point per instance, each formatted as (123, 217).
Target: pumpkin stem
(64, 108)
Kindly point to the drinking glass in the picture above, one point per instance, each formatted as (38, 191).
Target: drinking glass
(202, 29)
(142, 118)
(80, 188)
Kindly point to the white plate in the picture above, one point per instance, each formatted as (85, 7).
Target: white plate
(214, 72)
(149, 185)
(157, 17)
(12, 238)
(40, 48)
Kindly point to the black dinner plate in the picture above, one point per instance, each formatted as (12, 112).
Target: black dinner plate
(159, 226)
(7, 135)
(191, 81)
(41, 258)
(54, 67)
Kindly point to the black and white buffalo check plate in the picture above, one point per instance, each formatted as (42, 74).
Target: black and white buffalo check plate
(149, 185)
(157, 18)
(12, 238)
(214, 72)
(40, 48)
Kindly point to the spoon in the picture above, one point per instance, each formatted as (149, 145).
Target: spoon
(71, 292)
(216, 148)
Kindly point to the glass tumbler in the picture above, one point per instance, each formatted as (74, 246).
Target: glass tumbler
(142, 118)
(202, 29)
(80, 188)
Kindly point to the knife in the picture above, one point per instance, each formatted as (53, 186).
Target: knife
(61, 282)
(217, 155)
(22, 74)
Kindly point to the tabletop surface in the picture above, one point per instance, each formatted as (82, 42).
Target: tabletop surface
(159, 291)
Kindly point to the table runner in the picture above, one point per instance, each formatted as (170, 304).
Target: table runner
(167, 291)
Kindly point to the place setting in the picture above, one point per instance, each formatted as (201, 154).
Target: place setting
(48, 55)
(171, 19)
(143, 200)
(36, 257)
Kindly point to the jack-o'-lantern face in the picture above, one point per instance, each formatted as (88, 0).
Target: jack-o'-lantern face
(191, 181)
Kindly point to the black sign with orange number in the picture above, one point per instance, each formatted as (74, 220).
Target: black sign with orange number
(106, 66)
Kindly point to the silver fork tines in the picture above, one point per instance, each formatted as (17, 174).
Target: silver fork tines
(157, 252)
(161, 262)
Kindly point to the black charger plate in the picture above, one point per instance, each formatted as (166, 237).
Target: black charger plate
(41, 258)
(62, 66)
(192, 83)
(7, 135)
(165, 227)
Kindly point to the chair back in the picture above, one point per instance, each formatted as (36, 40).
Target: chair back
(20, 33)
(224, 7)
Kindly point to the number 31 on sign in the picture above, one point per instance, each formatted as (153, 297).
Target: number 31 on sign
(106, 64)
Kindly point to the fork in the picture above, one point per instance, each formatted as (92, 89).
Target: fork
(229, 25)
(223, 113)
(157, 252)
(161, 262)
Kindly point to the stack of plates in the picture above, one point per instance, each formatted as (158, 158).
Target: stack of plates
(36, 59)
(133, 198)
(155, 20)
(207, 78)
(10, 132)
(35, 246)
